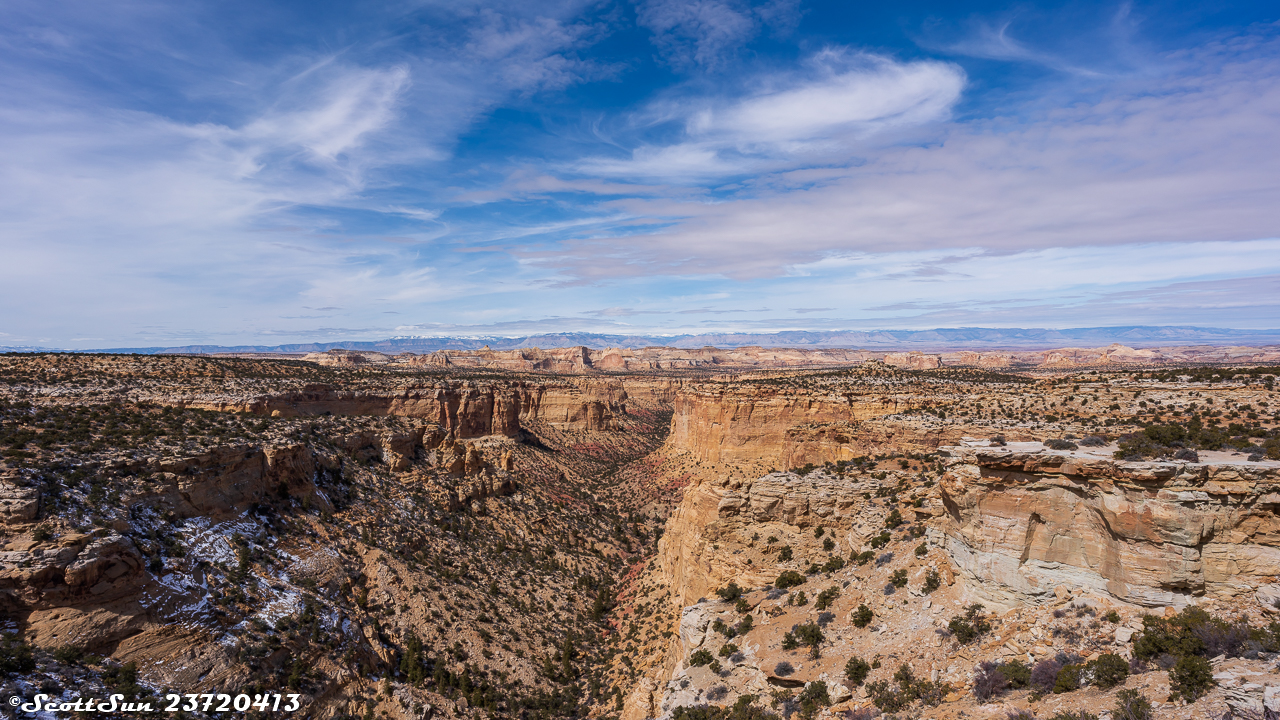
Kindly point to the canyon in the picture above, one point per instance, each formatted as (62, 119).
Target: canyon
(537, 533)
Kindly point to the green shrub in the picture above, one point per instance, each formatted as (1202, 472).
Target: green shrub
(1112, 617)
(714, 666)
(728, 649)
(1108, 670)
(1016, 672)
(970, 626)
(700, 658)
(862, 616)
(833, 564)
(931, 580)
(886, 697)
(879, 541)
(1131, 705)
(812, 698)
(856, 671)
(864, 557)
(894, 519)
(807, 634)
(69, 655)
(789, 578)
(826, 597)
(899, 578)
(730, 592)
(828, 545)
(1190, 677)
(15, 656)
(742, 606)
(1068, 679)
(799, 599)
(784, 554)
(922, 549)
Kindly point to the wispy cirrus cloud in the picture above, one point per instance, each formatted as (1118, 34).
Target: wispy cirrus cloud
(707, 33)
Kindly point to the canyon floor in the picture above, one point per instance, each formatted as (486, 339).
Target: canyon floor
(640, 535)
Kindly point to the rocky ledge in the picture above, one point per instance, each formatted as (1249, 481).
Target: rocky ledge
(1022, 521)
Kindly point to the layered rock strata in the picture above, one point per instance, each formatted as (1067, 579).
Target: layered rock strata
(1022, 521)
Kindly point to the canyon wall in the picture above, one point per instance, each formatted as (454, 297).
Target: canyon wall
(780, 429)
(1020, 523)
(465, 409)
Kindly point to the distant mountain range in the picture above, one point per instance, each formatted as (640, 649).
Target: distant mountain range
(937, 340)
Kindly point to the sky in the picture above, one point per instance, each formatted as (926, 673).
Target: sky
(190, 171)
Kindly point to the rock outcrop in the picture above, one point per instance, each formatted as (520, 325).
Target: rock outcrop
(1021, 522)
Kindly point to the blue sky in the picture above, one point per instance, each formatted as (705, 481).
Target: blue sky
(197, 172)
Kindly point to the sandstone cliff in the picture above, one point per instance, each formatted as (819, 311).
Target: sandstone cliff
(1020, 522)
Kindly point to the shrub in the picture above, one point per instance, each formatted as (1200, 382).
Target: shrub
(1112, 617)
(886, 697)
(1187, 454)
(826, 597)
(989, 682)
(862, 616)
(833, 564)
(788, 579)
(828, 545)
(742, 606)
(931, 580)
(879, 541)
(69, 655)
(1018, 674)
(784, 554)
(864, 557)
(745, 624)
(714, 666)
(815, 692)
(783, 669)
(856, 671)
(1186, 634)
(1131, 705)
(1045, 674)
(1093, 441)
(894, 519)
(728, 649)
(1060, 444)
(809, 634)
(730, 592)
(993, 679)
(1108, 670)
(970, 626)
(15, 656)
(899, 578)
(1068, 679)
(922, 549)
(1190, 678)
(1074, 715)
(700, 658)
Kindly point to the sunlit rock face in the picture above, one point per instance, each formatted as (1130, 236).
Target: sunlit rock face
(1022, 521)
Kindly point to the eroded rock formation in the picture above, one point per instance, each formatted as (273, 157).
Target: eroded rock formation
(1022, 522)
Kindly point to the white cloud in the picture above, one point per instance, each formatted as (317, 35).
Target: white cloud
(793, 120)
(1191, 158)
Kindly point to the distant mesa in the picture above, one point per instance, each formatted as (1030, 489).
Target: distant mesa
(581, 359)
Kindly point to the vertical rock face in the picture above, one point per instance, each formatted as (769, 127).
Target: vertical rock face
(788, 430)
(1021, 523)
(465, 409)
